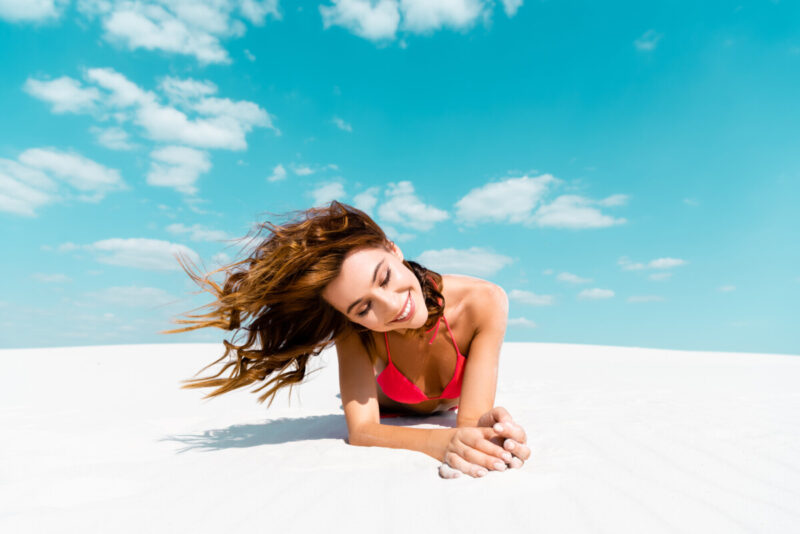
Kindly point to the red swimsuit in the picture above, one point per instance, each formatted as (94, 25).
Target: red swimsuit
(396, 386)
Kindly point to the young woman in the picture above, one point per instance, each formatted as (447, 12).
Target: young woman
(332, 276)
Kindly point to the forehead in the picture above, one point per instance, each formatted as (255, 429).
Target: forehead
(356, 273)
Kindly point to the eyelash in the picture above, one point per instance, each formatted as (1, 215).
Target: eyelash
(383, 284)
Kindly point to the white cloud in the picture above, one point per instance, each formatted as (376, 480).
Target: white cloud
(511, 7)
(402, 206)
(187, 27)
(371, 20)
(113, 137)
(65, 94)
(526, 297)
(380, 20)
(324, 193)
(726, 289)
(473, 261)
(342, 125)
(396, 235)
(512, 200)
(658, 263)
(198, 232)
(366, 200)
(214, 122)
(691, 202)
(178, 167)
(596, 293)
(520, 200)
(421, 16)
(56, 278)
(521, 321)
(660, 276)
(31, 10)
(648, 41)
(141, 253)
(572, 278)
(41, 176)
(575, 212)
(645, 298)
(132, 296)
(278, 173)
(302, 170)
(547, 272)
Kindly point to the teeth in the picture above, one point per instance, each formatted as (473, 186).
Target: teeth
(406, 310)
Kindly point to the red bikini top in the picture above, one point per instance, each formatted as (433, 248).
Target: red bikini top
(396, 386)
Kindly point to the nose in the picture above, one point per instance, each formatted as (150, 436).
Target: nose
(389, 304)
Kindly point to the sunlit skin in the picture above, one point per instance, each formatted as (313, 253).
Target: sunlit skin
(372, 290)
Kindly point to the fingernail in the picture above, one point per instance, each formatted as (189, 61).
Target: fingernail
(510, 444)
(498, 427)
(507, 456)
(482, 472)
(500, 466)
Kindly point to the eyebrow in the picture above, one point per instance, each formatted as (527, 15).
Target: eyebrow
(374, 276)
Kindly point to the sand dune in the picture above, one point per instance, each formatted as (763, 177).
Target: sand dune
(101, 439)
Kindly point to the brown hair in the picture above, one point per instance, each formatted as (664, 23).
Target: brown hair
(274, 298)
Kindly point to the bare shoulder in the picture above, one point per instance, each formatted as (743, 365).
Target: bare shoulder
(485, 303)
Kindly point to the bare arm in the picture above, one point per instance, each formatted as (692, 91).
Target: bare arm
(489, 311)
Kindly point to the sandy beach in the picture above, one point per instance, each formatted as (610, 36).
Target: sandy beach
(101, 439)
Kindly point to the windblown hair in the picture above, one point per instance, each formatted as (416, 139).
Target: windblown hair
(273, 298)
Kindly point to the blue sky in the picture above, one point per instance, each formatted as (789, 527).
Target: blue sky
(629, 173)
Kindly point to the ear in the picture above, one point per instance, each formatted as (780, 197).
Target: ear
(394, 249)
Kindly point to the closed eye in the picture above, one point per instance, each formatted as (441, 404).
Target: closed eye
(383, 284)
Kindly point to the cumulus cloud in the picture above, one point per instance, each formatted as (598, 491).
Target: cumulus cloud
(380, 20)
(521, 321)
(342, 125)
(278, 173)
(522, 201)
(511, 7)
(324, 193)
(302, 170)
(366, 200)
(43, 176)
(31, 10)
(474, 261)
(572, 278)
(113, 137)
(64, 93)
(596, 293)
(532, 299)
(197, 232)
(659, 263)
(402, 206)
(139, 253)
(178, 167)
(187, 27)
(648, 41)
(193, 116)
(727, 289)
(371, 20)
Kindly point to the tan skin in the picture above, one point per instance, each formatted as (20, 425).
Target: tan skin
(372, 290)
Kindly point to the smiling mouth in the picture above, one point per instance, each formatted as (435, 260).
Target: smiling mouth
(407, 311)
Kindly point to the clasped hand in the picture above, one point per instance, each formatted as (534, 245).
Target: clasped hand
(495, 444)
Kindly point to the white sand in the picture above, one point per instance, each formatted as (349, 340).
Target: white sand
(101, 439)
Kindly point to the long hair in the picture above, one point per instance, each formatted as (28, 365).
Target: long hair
(273, 298)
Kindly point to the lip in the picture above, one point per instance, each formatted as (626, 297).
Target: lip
(410, 311)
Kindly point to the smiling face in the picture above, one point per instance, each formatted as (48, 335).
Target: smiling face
(374, 289)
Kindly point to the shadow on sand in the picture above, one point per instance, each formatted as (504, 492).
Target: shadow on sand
(286, 429)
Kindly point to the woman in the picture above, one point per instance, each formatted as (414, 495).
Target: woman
(332, 276)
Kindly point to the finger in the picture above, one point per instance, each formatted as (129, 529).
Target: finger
(493, 446)
(501, 415)
(487, 461)
(511, 431)
(445, 471)
(455, 461)
(516, 463)
(520, 450)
